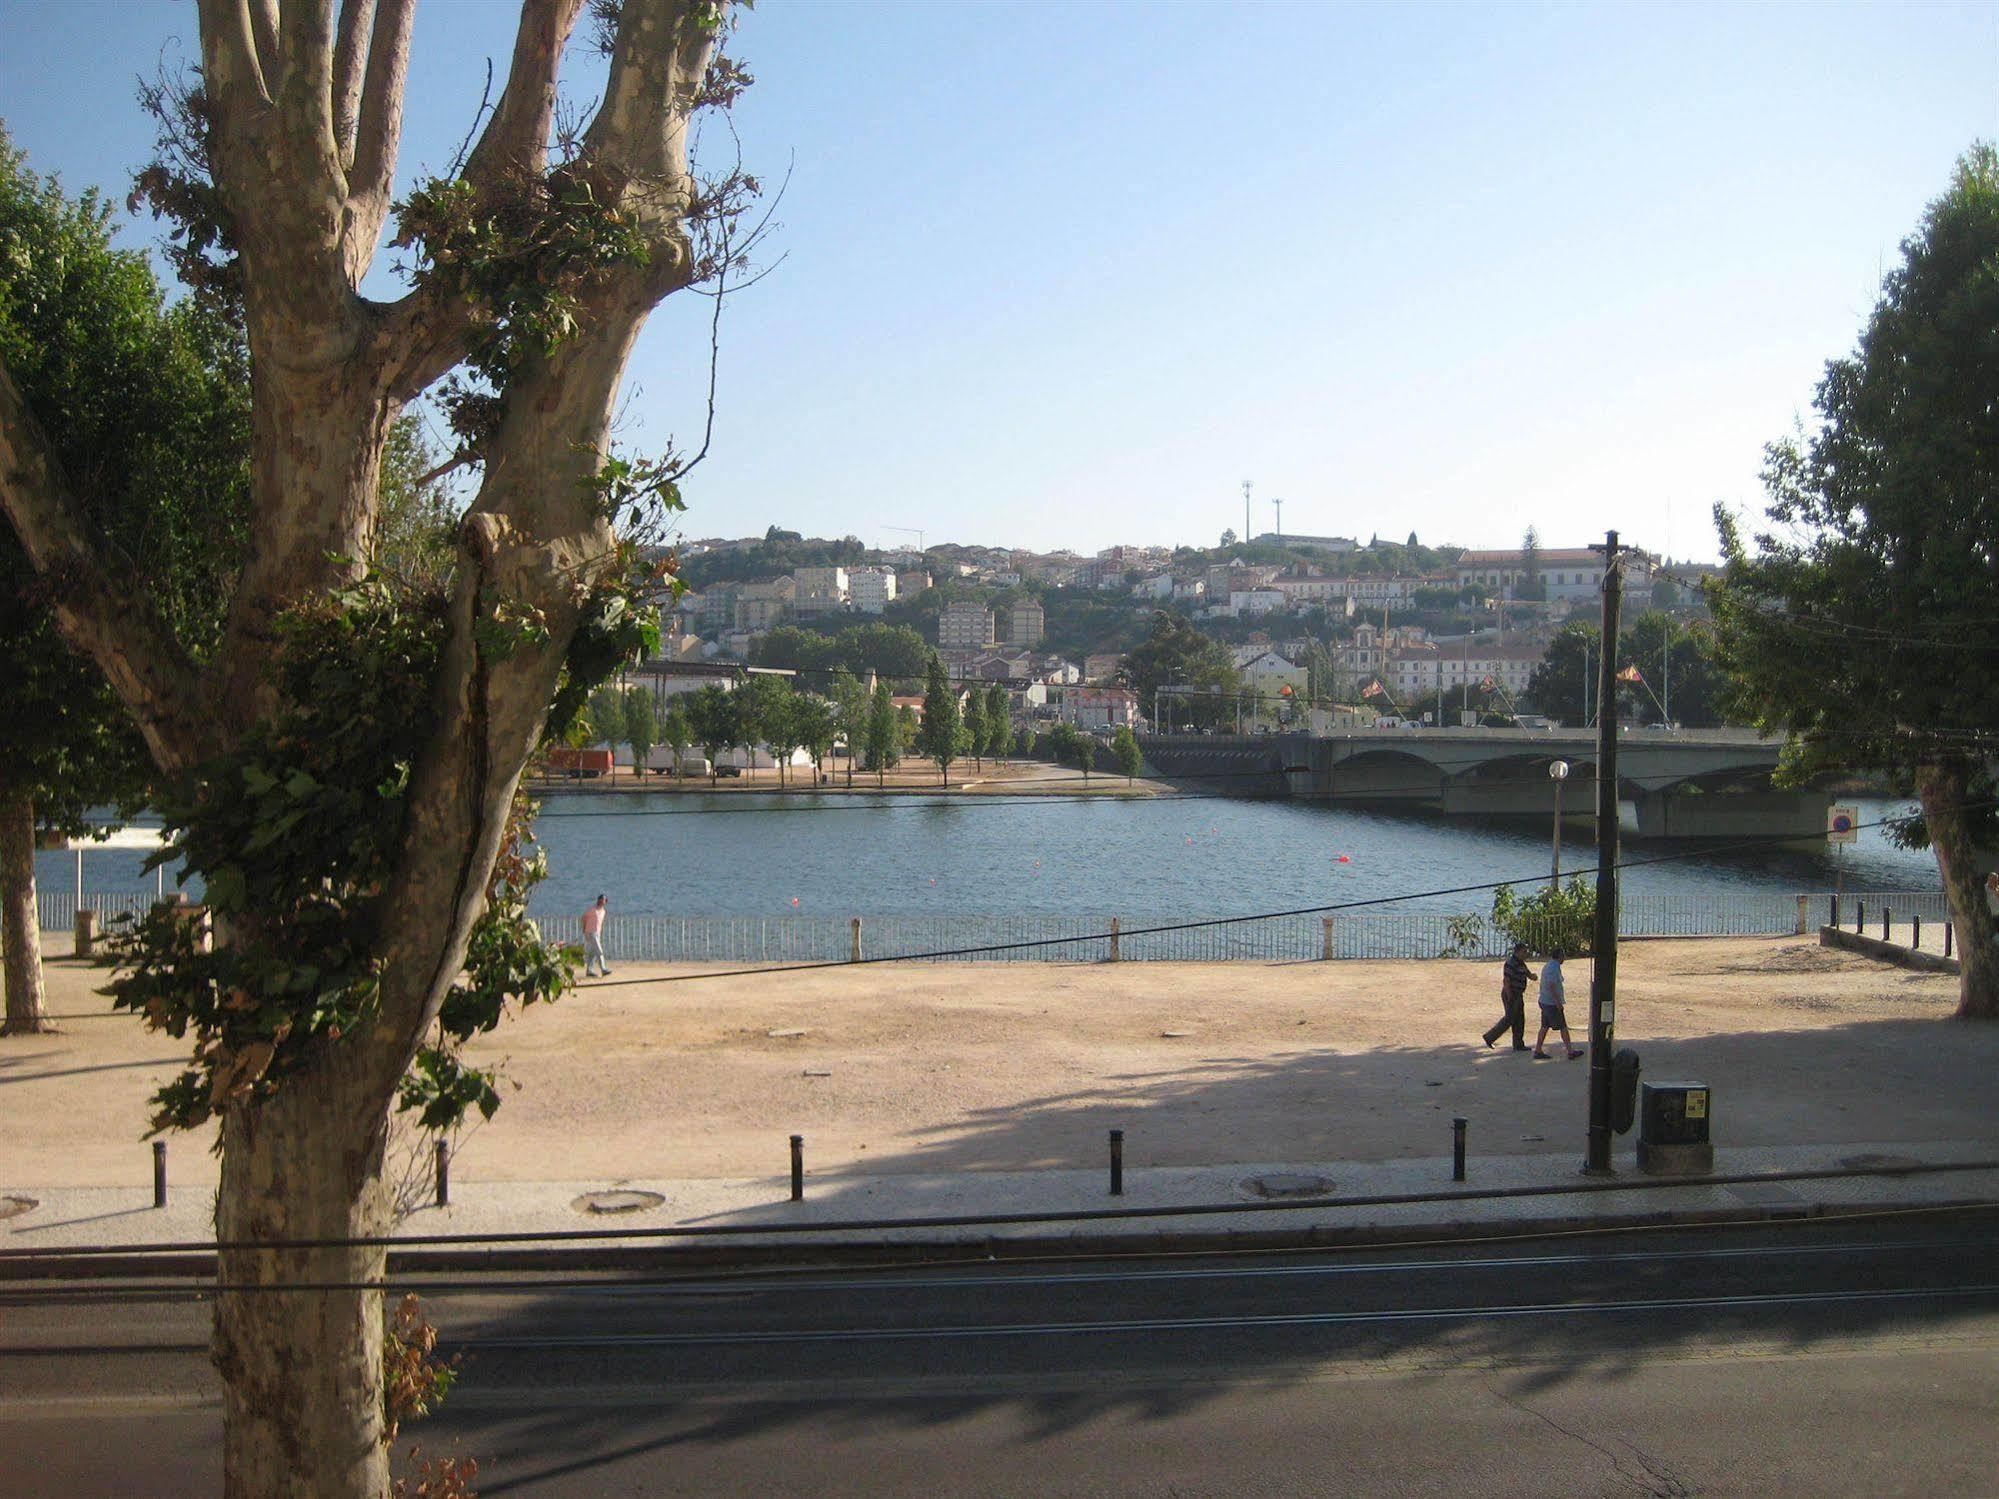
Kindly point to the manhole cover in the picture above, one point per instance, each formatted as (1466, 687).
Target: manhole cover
(617, 1202)
(1288, 1184)
(1877, 1162)
(13, 1207)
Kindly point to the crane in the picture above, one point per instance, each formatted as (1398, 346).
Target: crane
(909, 531)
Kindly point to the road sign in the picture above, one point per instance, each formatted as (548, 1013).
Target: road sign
(1841, 824)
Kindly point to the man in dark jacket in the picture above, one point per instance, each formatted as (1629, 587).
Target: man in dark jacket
(1513, 982)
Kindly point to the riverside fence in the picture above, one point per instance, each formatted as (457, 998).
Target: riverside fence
(1428, 933)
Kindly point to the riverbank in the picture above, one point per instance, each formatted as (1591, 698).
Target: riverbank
(969, 778)
(670, 1073)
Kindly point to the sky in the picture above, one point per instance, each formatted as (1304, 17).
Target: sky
(1066, 276)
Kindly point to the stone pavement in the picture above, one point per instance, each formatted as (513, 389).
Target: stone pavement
(968, 1090)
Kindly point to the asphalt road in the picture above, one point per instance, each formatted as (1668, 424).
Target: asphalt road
(1815, 1358)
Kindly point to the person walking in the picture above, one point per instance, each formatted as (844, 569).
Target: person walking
(593, 939)
(1553, 1017)
(1513, 981)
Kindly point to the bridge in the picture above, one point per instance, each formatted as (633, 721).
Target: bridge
(1683, 783)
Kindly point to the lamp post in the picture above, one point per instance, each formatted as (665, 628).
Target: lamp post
(1558, 772)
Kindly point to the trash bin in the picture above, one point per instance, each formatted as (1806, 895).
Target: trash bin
(1673, 1129)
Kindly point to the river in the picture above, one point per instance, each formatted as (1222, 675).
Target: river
(735, 854)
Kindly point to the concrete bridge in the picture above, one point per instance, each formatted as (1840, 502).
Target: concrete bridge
(1682, 783)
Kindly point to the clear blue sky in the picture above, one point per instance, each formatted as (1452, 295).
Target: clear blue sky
(1067, 275)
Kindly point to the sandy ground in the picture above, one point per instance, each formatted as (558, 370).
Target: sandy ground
(1020, 1066)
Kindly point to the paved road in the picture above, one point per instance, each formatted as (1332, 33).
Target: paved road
(1808, 1358)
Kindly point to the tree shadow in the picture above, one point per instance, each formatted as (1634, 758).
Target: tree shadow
(1871, 1081)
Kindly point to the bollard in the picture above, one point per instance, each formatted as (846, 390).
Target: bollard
(1884, 923)
(1916, 933)
(159, 1173)
(798, 1168)
(1117, 1163)
(443, 1174)
(1804, 915)
(1949, 932)
(86, 932)
(1859, 916)
(1458, 1149)
(855, 957)
(1326, 926)
(1834, 923)
(1114, 939)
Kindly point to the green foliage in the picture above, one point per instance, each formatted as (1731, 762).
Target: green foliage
(1177, 655)
(780, 552)
(1023, 742)
(999, 721)
(894, 651)
(1125, 751)
(715, 718)
(674, 730)
(416, 524)
(1549, 918)
(1086, 753)
(523, 254)
(939, 734)
(641, 724)
(1861, 622)
(972, 725)
(883, 732)
(294, 837)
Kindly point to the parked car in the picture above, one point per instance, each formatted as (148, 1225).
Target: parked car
(728, 770)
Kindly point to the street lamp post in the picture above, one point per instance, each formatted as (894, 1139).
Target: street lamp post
(1558, 772)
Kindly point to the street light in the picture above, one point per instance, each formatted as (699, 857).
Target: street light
(1558, 772)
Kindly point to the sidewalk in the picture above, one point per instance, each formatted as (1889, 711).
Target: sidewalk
(927, 1090)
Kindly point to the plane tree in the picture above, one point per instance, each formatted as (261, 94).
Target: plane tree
(346, 752)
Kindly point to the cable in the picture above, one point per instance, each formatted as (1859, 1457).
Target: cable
(1216, 921)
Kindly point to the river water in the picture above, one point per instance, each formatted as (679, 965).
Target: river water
(743, 855)
(732, 854)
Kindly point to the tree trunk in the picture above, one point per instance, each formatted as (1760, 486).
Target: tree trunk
(20, 922)
(1943, 788)
(301, 1370)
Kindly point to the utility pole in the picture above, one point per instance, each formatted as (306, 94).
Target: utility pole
(1280, 518)
(1245, 511)
(1603, 969)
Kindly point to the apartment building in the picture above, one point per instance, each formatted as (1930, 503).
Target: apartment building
(1025, 623)
(871, 589)
(965, 626)
(819, 591)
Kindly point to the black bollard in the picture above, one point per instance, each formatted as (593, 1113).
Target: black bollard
(1885, 914)
(1458, 1149)
(443, 1174)
(1949, 933)
(1117, 1163)
(1859, 915)
(159, 1173)
(798, 1168)
(1834, 923)
(1916, 934)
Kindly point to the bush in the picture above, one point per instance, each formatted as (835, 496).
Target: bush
(1562, 917)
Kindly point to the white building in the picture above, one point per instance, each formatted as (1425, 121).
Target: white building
(1415, 671)
(965, 626)
(819, 590)
(1254, 601)
(872, 589)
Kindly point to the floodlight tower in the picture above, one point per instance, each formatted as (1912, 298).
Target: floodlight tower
(1246, 485)
(1280, 518)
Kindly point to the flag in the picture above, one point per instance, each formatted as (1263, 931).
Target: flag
(1487, 683)
(1372, 689)
(1630, 674)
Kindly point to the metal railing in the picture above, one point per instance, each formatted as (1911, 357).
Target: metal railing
(1141, 938)
(1361, 934)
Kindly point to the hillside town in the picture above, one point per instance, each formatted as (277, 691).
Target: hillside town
(1315, 630)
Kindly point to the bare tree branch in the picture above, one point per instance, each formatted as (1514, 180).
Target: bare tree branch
(116, 627)
(377, 134)
(516, 137)
(230, 70)
(350, 51)
(264, 26)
